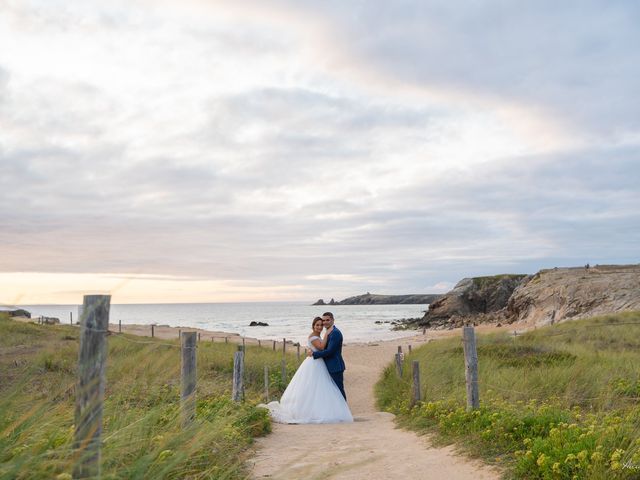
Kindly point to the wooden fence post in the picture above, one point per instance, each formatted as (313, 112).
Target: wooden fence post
(179, 333)
(266, 384)
(153, 330)
(424, 331)
(198, 336)
(237, 392)
(416, 382)
(243, 348)
(399, 364)
(188, 375)
(409, 348)
(284, 372)
(274, 345)
(92, 355)
(298, 351)
(284, 346)
(70, 318)
(471, 367)
(226, 339)
(119, 326)
(259, 343)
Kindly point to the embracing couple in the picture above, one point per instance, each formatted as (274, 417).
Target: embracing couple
(316, 391)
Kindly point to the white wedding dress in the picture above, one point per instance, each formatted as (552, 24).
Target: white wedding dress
(311, 396)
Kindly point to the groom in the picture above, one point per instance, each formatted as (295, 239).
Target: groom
(332, 354)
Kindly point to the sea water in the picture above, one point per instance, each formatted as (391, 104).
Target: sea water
(290, 320)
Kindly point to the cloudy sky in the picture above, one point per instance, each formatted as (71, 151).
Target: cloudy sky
(290, 150)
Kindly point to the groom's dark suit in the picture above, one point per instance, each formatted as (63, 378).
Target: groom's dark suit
(332, 356)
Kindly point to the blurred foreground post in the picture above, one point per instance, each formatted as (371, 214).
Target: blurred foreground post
(471, 367)
(188, 378)
(94, 323)
(237, 392)
(284, 372)
(416, 382)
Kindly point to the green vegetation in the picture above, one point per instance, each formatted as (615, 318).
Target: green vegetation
(560, 402)
(141, 435)
(482, 282)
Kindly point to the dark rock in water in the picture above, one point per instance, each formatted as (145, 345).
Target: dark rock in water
(319, 302)
(332, 302)
(258, 324)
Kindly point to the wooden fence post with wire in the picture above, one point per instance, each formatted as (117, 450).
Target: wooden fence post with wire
(237, 391)
(471, 367)
(399, 359)
(416, 382)
(92, 355)
(266, 384)
(188, 378)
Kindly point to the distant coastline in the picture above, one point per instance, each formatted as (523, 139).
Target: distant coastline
(373, 299)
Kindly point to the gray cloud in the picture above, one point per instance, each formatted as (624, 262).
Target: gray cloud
(276, 183)
(577, 59)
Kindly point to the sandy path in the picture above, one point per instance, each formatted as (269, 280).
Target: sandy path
(370, 448)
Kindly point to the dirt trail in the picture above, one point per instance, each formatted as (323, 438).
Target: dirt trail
(371, 448)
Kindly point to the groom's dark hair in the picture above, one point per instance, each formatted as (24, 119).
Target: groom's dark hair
(327, 314)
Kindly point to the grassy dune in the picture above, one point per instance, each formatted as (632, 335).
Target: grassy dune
(141, 434)
(561, 402)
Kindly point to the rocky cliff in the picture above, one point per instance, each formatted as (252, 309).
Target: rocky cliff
(564, 293)
(471, 297)
(549, 296)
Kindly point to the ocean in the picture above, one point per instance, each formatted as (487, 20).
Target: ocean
(290, 320)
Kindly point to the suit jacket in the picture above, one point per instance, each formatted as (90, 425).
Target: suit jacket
(332, 354)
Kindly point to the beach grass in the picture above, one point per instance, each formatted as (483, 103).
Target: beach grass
(560, 402)
(142, 435)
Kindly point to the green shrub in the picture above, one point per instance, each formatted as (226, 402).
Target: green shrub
(555, 404)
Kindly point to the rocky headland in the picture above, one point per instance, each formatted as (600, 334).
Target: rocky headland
(373, 299)
(549, 296)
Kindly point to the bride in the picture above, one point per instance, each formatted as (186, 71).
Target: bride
(311, 396)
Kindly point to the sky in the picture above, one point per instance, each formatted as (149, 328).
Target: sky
(222, 151)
